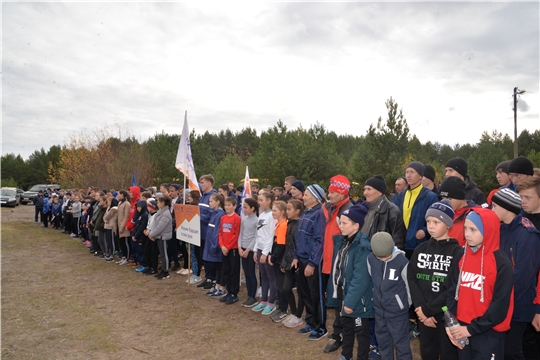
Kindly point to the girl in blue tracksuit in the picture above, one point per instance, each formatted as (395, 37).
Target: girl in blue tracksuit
(212, 254)
(350, 286)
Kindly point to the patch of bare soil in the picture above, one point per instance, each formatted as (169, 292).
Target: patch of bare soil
(60, 302)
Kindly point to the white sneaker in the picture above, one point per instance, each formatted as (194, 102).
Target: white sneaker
(184, 271)
(194, 279)
(123, 262)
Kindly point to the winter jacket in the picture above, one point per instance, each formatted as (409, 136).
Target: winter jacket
(429, 274)
(417, 221)
(485, 307)
(111, 219)
(212, 251)
(205, 211)
(162, 225)
(534, 218)
(357, 285)
(391, 296)
(46, 205)
(141, 221)
(520, 241)
(123, 215)
(38, 201)
(76, 209)
(310, 235)
(474, 193)
(388, 218)
(456, 231)
(56, 209)
(280, 242)
(332, 228)
(99, 224)
(292, 227)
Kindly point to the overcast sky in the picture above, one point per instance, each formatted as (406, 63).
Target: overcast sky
(451, 67)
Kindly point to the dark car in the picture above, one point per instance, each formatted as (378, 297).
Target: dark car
(28, 196)
(9, 197)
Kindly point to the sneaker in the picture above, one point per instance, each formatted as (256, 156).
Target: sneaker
(317, 334)
(175, 267)
(231, 300)
(100, 256)
(219, 293)
(184, 271)
(250, 302)
(373, 352)
(269, 309)
(225, 298)
(414, 332)
(343, 358)
(151, 272)
(332, 345)
(194, 279)
(305, 330)
(259, 307)
(123, 262)
(110, 259)
(293, 321)
(212, 291)
(209, 285)
(146, 270)
(278, 316)
(140, 269)
(158, 274)
(203, 284)
(164, 275)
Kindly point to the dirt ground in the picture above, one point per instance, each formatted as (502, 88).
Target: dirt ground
(60, 302)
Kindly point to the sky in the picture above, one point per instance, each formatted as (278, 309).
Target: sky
(450, 66)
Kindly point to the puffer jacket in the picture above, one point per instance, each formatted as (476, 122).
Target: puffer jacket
(162, 225)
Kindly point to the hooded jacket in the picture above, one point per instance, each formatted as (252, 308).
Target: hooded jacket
(162, 225)
(332, 228)
(357, 285)
(483, 306)
(417, 221)
(292, 226)
(136, 194)
(388, 218)
(212, 251)
(472, 192)
(520, 241)
(391, 295)
(111, 218)
(457, 231)
(430, 273)
(141, 221)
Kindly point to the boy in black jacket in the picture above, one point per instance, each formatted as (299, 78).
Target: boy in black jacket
(428, 275)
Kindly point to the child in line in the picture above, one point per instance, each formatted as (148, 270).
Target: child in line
(212, 254)
(228, 241)
(350, 283)
(56, 210)
(76, 215)
(161, 233)
(138, 237)
(279, 209)
(111, 226)
(429, 278)
(294, 211)
(151, 251)
(481, 291)
(387, 266)
(246, 245)
(265, 238)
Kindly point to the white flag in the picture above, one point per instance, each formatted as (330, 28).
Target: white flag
(184, 160)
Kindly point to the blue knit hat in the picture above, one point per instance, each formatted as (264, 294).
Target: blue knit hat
(356, 213)
(316, 191)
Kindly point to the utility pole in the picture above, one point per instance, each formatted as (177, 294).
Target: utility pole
(516, 93)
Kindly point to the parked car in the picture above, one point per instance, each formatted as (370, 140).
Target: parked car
(9, 197)
(28, 196)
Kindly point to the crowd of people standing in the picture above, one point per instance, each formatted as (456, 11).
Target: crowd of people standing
(385, 267)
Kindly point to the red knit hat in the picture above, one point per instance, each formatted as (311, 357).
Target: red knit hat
(340, 184)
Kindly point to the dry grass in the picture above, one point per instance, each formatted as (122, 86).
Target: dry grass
(59, 302)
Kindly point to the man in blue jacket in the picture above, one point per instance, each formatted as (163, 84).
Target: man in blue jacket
(207, 190)
(520, 241)
(307, 260)
(38, 203)
(413, 203)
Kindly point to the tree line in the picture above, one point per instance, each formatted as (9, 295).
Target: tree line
(108, 157)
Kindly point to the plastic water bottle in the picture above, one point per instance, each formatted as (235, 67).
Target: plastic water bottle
(452, 322)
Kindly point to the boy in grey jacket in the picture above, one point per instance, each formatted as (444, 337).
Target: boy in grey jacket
(387, 266)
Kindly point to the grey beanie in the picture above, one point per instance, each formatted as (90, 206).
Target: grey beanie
(382, 244)
(443, 211)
